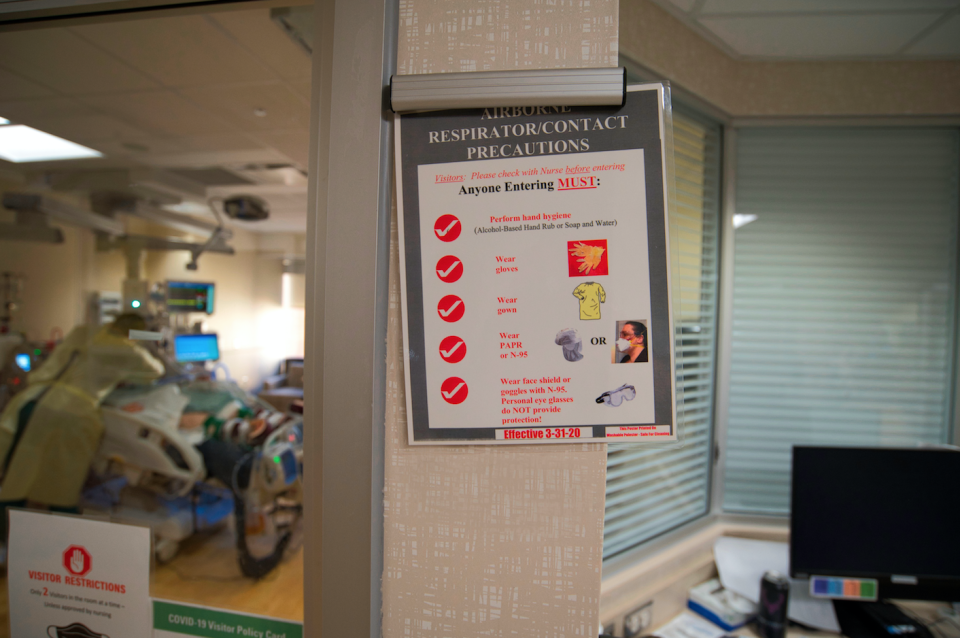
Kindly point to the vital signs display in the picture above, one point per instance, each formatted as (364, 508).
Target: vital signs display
(535, 272)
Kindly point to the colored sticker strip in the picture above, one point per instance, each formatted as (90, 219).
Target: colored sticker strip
(844, 588)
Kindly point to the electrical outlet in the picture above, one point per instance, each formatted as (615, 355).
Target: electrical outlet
(638, 620)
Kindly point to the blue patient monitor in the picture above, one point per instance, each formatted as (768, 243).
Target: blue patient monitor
(196, 348)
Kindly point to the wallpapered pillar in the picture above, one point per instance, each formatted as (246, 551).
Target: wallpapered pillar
(491, 541)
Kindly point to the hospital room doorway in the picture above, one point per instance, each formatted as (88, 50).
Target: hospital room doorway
(153, 176)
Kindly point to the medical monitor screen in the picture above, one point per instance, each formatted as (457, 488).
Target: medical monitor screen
(23, 362)
(883, 513)
(196, 348)
(189, 296)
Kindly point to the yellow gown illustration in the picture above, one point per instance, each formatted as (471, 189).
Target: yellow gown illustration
(591, 295)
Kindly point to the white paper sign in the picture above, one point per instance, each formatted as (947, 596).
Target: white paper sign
(69, 576)
(535, 265)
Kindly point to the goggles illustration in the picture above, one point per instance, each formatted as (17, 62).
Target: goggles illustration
(614, 398)
(75, 630)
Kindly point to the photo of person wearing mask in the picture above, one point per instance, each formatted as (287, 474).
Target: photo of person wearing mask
(635, 334)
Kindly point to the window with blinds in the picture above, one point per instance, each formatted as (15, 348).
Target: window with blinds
(844, 298)
(650, 491)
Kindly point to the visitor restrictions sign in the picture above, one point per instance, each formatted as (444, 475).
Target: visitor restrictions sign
(70, 576)
(535, 274)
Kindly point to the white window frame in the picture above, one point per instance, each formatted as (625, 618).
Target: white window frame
(626, 560)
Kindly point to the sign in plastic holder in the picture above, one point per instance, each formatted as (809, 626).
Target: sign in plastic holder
(69, 576)
(536, 273)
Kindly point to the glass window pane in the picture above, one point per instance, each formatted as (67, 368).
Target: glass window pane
(844, 289)
(651, 491)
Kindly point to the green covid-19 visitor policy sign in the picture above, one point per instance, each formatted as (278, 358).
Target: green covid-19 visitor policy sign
(175, 619)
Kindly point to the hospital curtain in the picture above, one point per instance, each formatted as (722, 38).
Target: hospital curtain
(844, 300)
(650, 491)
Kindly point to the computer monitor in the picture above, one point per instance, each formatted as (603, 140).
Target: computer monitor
(23, 361)
(190, 296)
(196, 348)
(887, 514)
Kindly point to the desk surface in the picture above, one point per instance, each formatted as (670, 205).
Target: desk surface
(924, 611)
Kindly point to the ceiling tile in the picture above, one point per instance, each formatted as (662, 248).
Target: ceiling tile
(819, 36)
(179, 51)
(89, 128)
(14, 87)
(205, 159)
(294, 144)
(160, 113)
(684, 5)
(37, 112)
(303, 88)
(283, 107)
(721, 7)
(257, 32)
(60, 60)
(139, 149)
(217, 143)
(944, 40)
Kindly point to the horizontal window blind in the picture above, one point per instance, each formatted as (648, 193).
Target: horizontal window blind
(650, 491)
(844, 298)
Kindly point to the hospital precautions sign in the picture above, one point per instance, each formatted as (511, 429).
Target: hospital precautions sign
(535, 274)
(69, 576)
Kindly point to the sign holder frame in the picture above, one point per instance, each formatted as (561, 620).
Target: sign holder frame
(414, 347)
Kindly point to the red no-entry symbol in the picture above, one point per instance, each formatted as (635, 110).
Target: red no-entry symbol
(454, 390)
(77, 560)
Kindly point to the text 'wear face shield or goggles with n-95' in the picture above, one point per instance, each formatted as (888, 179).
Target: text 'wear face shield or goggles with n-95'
(614, 398)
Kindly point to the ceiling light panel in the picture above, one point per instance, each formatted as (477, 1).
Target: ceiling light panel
(20, 143)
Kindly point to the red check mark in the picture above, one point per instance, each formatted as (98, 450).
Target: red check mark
(453, 349)
(450, 308)
(449, 269)
(454, 390)
(447, 228)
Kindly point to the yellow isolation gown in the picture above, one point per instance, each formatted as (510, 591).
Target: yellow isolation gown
(58, 443)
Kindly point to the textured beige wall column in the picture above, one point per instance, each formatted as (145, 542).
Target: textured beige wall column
(491, 541)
